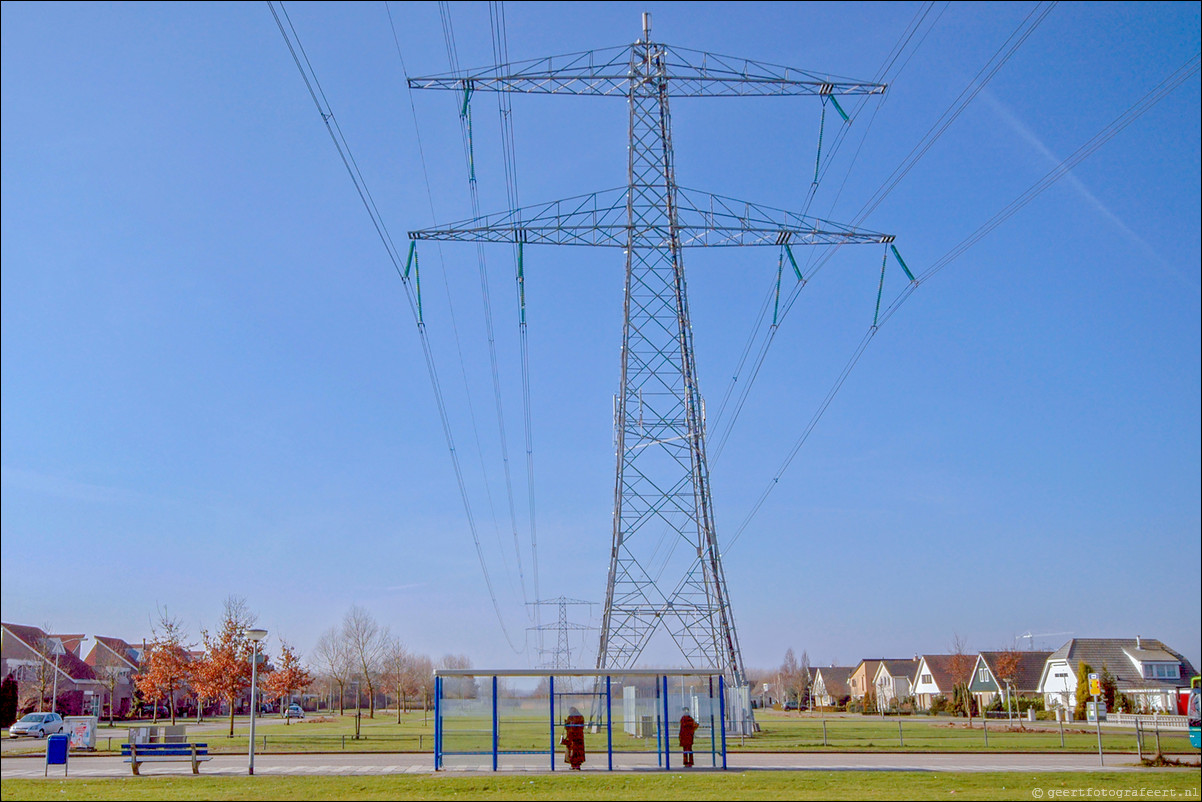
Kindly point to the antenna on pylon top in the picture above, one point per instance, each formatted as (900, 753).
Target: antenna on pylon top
(646, 26)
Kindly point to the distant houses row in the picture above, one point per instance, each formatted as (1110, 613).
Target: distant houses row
(46, 664)
(94, 675)
(1144, 671)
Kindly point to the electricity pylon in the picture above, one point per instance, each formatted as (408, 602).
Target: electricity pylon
(662, 484)
(561, 656)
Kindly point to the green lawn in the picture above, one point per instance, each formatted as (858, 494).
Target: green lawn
(651, 786)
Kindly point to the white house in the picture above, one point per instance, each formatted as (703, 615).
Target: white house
(932, 679)
(1145, 670)
(893, 681)
(831, 686)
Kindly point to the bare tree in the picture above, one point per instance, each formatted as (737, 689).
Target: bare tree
(792, 679)
(111, 673)
(365, 641)
(332, 659)
(421, 681)
(396, 672)
(45, 647)
(961, 666)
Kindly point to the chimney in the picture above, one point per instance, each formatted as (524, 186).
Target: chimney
(1138, 645)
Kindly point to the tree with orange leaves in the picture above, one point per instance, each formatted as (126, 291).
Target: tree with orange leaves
(225, 671)
(287, 678)
(202, 686)
(166, 665)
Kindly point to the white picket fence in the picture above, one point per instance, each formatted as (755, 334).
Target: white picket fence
(1149, 723)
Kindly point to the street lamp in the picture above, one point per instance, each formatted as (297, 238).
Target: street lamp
(56, 646)
(255, 636)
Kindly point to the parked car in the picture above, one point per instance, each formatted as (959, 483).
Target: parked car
(294, 711)
(37, 725)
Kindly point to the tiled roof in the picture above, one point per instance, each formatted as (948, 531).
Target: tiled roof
(834, 679)
(1026, 673)
(901, 668)
(1114, 654)
(113, 646)
(68, 663)
(940, 666)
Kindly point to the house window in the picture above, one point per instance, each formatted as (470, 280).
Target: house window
(926, 678)
(1161, 671)
(983, 675)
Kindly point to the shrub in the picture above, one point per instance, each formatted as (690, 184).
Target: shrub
(8, 701)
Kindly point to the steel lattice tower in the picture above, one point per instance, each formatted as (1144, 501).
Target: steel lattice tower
(561, 655)
(663, 522)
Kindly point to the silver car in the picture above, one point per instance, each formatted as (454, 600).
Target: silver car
(37, 725)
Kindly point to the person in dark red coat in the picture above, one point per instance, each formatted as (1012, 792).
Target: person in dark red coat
(573, 738)
(688, 726)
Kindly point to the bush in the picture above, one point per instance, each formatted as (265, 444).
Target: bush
(8, 701)
(939, 705)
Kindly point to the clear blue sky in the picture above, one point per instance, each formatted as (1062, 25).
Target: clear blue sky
(212, 383)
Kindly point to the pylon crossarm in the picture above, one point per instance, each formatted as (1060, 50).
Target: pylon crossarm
(704, 220)
(606, 73)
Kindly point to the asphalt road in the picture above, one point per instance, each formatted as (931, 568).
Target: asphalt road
(90, 767)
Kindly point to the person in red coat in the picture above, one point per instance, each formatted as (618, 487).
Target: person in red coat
(688, 726)
(573, 738)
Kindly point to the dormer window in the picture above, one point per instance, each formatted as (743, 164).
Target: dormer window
(1162, 671)
(983, 675)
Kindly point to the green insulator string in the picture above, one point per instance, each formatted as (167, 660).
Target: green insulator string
(466, 114)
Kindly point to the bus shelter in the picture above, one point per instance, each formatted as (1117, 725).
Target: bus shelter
(514, 719)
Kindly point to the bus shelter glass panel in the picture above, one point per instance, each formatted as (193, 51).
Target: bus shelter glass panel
(465, 712)
(519, 720)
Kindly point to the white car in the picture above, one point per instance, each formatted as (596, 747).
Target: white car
(37, 725)
(294, 711)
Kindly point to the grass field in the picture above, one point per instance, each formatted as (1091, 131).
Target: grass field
(783, 732)
(1180, 784)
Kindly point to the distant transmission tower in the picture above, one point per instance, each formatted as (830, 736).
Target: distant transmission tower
(561, 655)
(665, 571)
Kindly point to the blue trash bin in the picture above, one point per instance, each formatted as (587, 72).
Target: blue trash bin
(57, 748)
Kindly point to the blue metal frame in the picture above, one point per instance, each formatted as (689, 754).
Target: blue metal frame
(667, 739)
(495, 728)
(609, 723)
(722, 715)
(437, 723)
(663, 729)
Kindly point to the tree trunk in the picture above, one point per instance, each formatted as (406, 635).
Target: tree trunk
(231, 717)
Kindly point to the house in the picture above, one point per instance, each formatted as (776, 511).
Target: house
(1145, 670)
(44, 668)
(114, 662)
(995, 672)
(933, 679)
(893, 681)
(859, 682)
(830, 688)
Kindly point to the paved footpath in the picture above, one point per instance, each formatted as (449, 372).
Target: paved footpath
(89, 767)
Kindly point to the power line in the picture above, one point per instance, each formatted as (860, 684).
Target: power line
(1154, 96)
(412, 292)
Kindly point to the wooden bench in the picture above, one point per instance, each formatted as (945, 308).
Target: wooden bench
(137, 754)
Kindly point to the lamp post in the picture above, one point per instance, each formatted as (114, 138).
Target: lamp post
(255, 636)
(56, 646)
